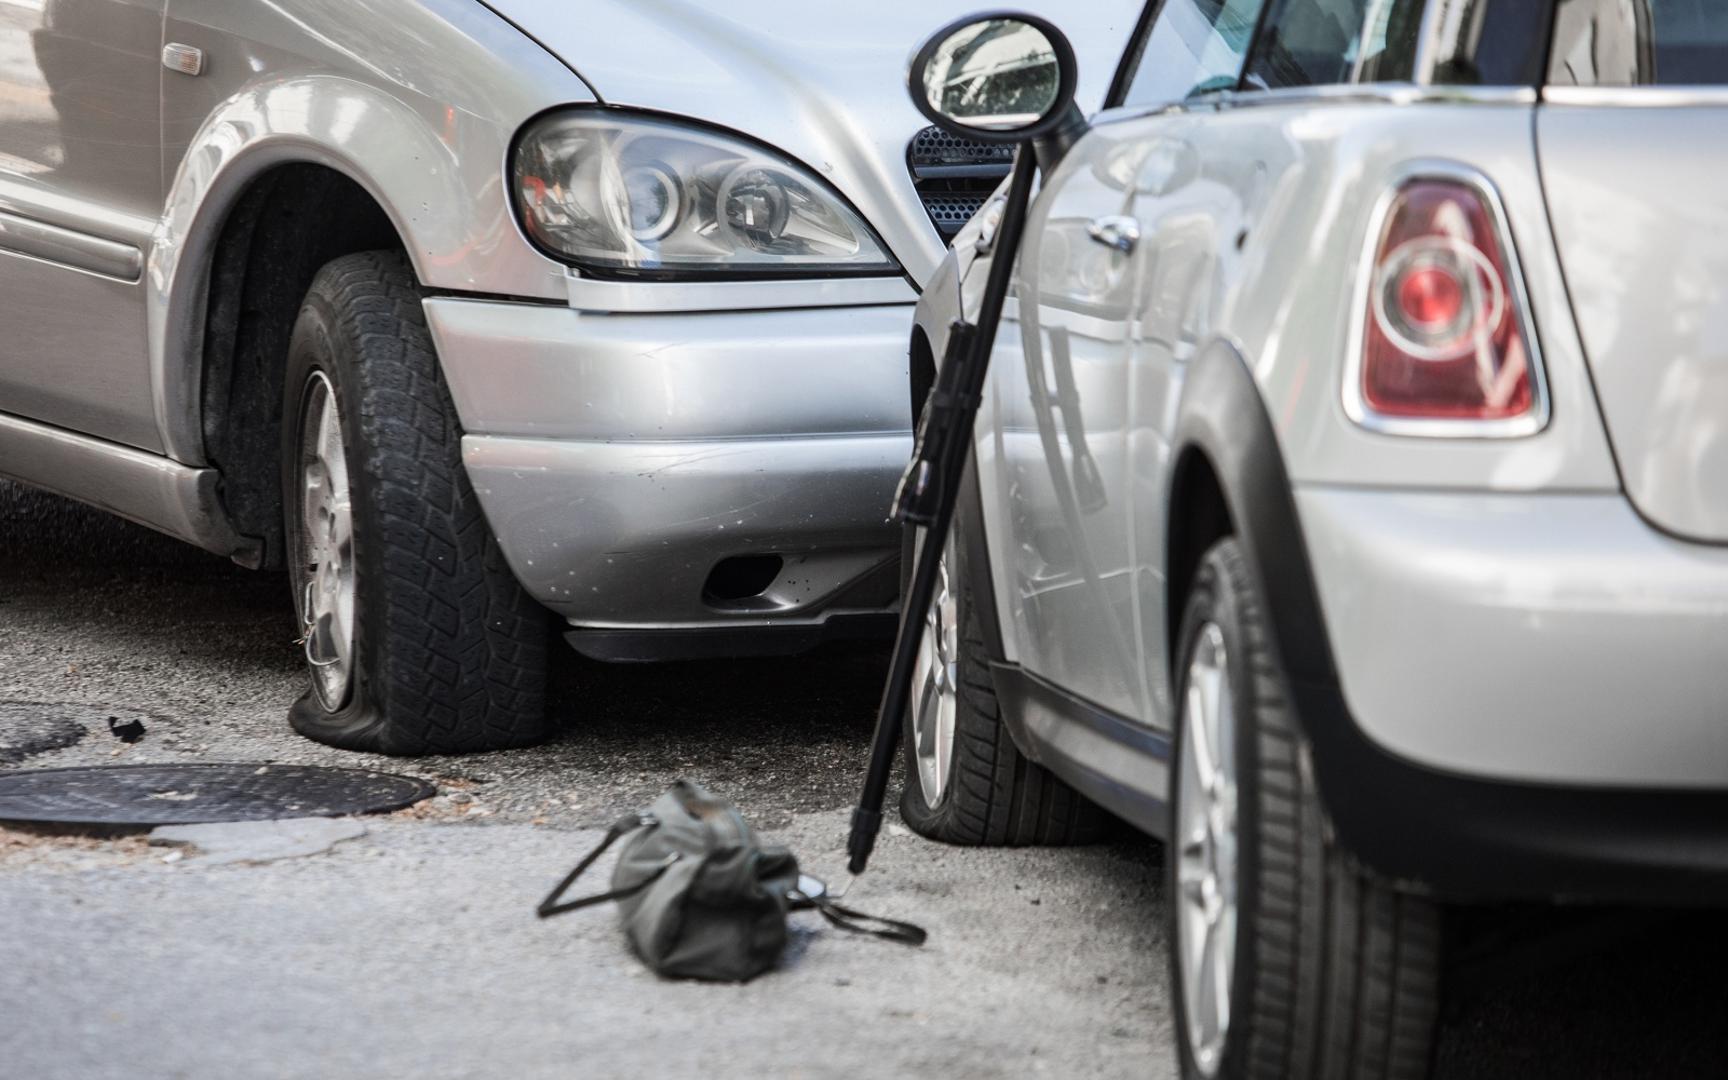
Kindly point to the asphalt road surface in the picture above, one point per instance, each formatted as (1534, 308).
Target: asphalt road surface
(411, 949)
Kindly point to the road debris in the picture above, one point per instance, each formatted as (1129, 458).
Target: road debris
(129, 732)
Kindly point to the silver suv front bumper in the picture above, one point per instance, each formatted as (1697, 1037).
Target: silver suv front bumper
(621, 458)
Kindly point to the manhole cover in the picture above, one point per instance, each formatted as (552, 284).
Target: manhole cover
(184, 794)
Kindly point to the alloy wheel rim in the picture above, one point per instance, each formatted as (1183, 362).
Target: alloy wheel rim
(936, 702)
(324, 572)
(1206, 850)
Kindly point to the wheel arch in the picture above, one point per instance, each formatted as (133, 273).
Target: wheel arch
(338, 165)
(415, 162)
(1199, 517)
(1228, 463)
(286, 223)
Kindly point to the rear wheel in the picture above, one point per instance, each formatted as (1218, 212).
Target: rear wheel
(966, 781)
(418, 639)
(1287, 960)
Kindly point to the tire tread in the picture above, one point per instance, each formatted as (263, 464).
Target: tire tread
(1343, 980)
(462, 649)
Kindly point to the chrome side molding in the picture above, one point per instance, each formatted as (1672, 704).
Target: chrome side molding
(1637, 97)
(80, 251)
(146, 488)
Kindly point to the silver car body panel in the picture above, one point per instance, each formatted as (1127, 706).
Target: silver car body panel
(1551, 638)
(415, 102)
(1061, 412)
(833, 97)
(81, 186)
(664, 377)
(619, 474)
(762, 417)
(780, 413)
(1640, 234)
(1255, 212)
(1298, 178)
(146, 488)
(623, 535)
(1325, 168)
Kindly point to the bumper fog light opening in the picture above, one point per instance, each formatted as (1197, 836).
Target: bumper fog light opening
(741, 578)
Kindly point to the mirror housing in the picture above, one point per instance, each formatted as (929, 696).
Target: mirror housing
(1000, 77)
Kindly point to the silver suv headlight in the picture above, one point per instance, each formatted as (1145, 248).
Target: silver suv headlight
(641, 196)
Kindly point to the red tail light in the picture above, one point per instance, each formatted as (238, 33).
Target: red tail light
(1443, 338)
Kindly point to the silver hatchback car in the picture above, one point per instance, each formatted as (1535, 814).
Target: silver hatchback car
(480, 318)
(1348, 505)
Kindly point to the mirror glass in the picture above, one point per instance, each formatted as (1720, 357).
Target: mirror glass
(996, 74)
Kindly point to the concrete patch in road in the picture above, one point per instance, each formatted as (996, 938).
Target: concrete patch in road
(27, 728)
(258, 841)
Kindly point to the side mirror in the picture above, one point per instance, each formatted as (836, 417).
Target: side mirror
(1000, 77)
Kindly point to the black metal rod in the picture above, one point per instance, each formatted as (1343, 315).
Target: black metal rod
(950, 457)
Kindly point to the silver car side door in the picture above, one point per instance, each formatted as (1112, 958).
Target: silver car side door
(80, 192)
(1081, 428)
(1188, 202)
(1062, 422)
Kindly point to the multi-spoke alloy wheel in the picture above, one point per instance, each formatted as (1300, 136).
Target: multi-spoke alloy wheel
(323, 568)
(1205, 844)
(936, 685)
(1288, 960)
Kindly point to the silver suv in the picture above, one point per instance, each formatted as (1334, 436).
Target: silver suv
(1348, 505)
(466, 311)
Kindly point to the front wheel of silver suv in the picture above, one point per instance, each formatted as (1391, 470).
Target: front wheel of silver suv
(1288, 962)
(417, 638)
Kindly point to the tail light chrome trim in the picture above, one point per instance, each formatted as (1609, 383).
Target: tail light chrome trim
(1530, 422)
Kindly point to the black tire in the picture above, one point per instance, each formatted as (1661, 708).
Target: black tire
(995, 796)
(451, 653)
(1336, 973)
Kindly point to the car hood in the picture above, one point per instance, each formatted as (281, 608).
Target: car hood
(822, 80)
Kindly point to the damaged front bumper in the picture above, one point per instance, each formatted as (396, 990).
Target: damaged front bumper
(684, 484)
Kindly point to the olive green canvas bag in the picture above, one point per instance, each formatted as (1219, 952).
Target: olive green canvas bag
(701, 897)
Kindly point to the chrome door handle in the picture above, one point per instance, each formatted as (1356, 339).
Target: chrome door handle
(1118, 231)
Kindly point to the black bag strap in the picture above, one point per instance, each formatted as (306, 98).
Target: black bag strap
(874, 925)
(551, 906)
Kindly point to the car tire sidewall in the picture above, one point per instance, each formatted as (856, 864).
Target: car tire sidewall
(317, 348)
(1212, 600)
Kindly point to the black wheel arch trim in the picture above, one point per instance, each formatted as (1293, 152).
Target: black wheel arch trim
(974, 550)
(1437, 832)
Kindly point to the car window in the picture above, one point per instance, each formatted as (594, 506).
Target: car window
(1640, 43)
(1323, 42)
(1193, 47)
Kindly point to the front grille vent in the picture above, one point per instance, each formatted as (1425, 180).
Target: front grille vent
(954, 176)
